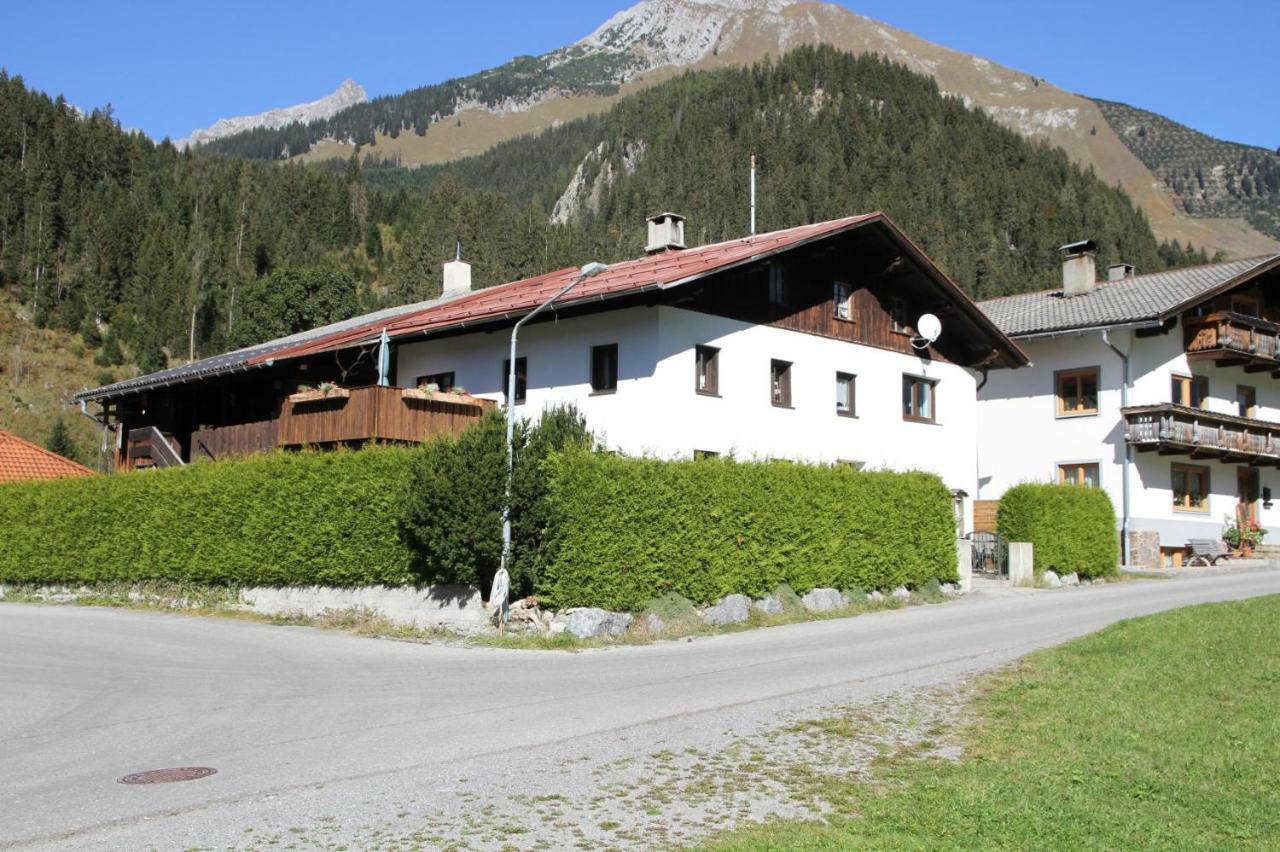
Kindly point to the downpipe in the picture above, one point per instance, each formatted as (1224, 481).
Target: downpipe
(1128, 450)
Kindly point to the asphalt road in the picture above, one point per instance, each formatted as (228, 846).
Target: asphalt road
(307, 724)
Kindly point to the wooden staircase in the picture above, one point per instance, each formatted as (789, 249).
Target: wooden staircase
(148, 447)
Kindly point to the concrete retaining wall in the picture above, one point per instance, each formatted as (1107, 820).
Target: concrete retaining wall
(453, 607)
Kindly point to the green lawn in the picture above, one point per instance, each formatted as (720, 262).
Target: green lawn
(1158, 732)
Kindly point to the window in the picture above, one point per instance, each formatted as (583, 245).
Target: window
(777, 286)
(1077, 473)
(898, 315)
(845, 396)
(1077, 392)
(699, 455)
(842, 297)
(1247, 305)
(1191, 391)
(1190, 488)
(917, 399)
(1246, 401)
(707, 370)
(522, 379)
(443, 381)
(780, 383)
(604, 368)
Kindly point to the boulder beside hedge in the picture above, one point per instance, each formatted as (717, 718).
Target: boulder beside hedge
(1071, 527)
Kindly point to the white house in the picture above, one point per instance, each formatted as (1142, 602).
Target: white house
(1164, 389)
(797, 344)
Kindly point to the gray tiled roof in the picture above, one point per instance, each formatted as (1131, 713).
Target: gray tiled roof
(1142, 297)
(230, 362)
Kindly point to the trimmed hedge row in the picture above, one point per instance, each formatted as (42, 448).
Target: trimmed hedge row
(281, 519)
(624, 530)
(1072, 528)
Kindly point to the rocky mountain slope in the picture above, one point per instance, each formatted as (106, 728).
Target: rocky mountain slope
(1208, 176)
(656, 39)
(348, 94)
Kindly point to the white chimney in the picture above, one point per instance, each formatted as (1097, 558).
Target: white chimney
(1079, 270)
(1119, 271)
(457, 276)
(666, 231)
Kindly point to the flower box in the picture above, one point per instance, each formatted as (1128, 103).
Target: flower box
(319, 394)
(439, 396)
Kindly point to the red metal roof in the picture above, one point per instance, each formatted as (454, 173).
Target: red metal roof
(22, 460)
(662, 269)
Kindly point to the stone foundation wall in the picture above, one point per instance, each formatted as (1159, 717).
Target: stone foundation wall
(458, 608)
(1144, 549)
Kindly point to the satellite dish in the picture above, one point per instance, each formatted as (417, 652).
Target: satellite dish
(929, 327)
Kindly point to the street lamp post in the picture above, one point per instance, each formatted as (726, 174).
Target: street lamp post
(583, 274)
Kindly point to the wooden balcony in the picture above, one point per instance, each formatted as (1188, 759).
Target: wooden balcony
(384, 415)
(343, 416)
(1230, 339)
(1177, 430)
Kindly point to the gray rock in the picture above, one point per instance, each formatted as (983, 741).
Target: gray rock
(591, 623)
(901, 593)
(823, 600)
(730, 609)
(653, 623)
(769, 605)
(1072, 579)
(1052, 580)
(948, 590)
(876, 596)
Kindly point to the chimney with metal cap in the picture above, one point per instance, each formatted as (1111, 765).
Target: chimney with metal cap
(1119, 271)
(666, 231)
(1079, 269)
(457, 275)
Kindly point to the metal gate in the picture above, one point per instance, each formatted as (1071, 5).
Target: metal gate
(990, 554)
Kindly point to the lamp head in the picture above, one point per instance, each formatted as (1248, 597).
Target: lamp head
(590, 269)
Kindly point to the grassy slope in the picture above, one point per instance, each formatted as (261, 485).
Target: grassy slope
(1161, 731)
(40, 370)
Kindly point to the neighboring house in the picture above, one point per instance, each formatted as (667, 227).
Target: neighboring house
(1164, 389)
(21, 461)
(795, 344)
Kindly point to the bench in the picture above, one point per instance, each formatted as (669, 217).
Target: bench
(1207, 551)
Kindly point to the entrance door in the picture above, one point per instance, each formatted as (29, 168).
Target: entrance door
(1247, 493)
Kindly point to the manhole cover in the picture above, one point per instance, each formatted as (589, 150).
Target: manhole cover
(168, 776)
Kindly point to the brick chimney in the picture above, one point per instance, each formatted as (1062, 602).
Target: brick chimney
(666, 231)
(1079, 269)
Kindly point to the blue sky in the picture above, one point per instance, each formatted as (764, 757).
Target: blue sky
(168, 68)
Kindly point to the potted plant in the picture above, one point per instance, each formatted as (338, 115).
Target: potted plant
(1243, 534)
(325, 390)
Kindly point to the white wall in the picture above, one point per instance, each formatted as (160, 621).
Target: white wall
(656, 410)
(1021, 438)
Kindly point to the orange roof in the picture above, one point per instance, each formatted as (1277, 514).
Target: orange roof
(660, 270)
(22, 460)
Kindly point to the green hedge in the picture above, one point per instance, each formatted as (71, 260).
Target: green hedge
(283, 519)
(622, 531)
(1072, 528)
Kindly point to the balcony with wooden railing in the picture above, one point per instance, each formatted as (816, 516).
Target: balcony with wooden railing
(322, 418)
(1178, 430)
(1233, 339)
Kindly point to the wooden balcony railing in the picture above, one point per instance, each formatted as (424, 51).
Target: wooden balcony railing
(375, 414)
(228, 442)
(1177, 430)
(1233, 339)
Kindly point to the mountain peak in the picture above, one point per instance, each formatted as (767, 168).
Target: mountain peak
(349, 93)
